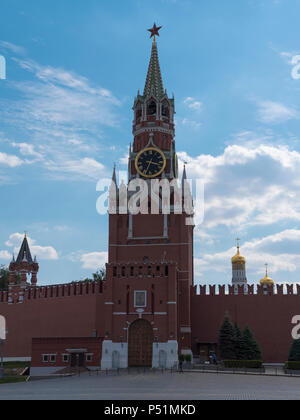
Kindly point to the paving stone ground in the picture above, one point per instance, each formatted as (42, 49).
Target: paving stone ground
(156, 386)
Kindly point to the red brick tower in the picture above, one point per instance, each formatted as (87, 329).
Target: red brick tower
(22, 267)
(150, 269)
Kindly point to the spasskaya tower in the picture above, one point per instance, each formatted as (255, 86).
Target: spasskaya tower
(150, 268)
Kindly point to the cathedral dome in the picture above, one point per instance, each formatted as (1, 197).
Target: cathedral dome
(238, 258)
(267, 281)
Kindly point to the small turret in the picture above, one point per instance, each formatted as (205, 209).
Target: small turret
(267, 281)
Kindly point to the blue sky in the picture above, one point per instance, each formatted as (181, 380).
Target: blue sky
(73, 69)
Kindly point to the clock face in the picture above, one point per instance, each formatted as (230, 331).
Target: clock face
(150, 163)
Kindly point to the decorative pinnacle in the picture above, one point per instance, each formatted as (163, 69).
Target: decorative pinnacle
(238, 243)
(267, 265)
(154, 31)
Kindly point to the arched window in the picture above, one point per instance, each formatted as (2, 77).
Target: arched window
(138, 112)
(165, 109)
(152, 108)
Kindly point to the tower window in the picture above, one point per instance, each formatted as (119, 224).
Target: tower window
(152, 108)
(165, 110)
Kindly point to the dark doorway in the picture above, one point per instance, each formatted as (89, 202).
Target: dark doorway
(81, 360)
(77, 360)
(73, 360)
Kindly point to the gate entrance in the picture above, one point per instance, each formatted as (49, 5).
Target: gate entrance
(140, 344)
(77, 360)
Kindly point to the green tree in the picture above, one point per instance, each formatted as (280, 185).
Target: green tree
(295, 351)
(99, 275)
(4, 278)
(239, 348)
(227, 341)
(250, 347)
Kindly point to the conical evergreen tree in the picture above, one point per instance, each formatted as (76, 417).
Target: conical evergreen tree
(295, 351)
(239, 347)
(251, 348)
(227, 341)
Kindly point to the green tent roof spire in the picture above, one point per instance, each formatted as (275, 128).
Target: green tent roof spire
(154, 84)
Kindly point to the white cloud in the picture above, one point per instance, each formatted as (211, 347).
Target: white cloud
(248, 185)
(27, 149)
(258, 252)
(12, 47)
(193, 104)
(94, 260)
(275, 113)
(86, 168)
(63, 114)
(195, 125)
(41, 252)
(5, 255)
(10, 160)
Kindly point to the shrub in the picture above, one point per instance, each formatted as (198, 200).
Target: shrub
(294, 355)
(292, 365)
(188, 358)
(181, 358)
(242, 364)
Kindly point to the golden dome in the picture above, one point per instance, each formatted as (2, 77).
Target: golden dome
(238, 258)
(267, 281)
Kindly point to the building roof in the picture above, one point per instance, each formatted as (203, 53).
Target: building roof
(24, 253)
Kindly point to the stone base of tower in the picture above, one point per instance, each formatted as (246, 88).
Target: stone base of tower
(114, 355)
(165, 355)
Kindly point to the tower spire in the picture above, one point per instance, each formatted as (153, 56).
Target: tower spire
(154, 84)
(114, 177)
(24, 252)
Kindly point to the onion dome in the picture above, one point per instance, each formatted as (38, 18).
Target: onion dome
(267, 281)
(238, 258)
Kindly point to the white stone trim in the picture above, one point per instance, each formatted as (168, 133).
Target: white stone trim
(171, 355)
(17, 359)
(108, 349)
(185, 329)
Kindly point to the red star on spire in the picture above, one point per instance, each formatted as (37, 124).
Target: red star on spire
(154, 31)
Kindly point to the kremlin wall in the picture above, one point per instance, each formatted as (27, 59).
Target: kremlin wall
(77, 310)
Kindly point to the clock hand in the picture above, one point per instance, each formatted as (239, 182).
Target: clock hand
(149, 166)
(153, 163)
